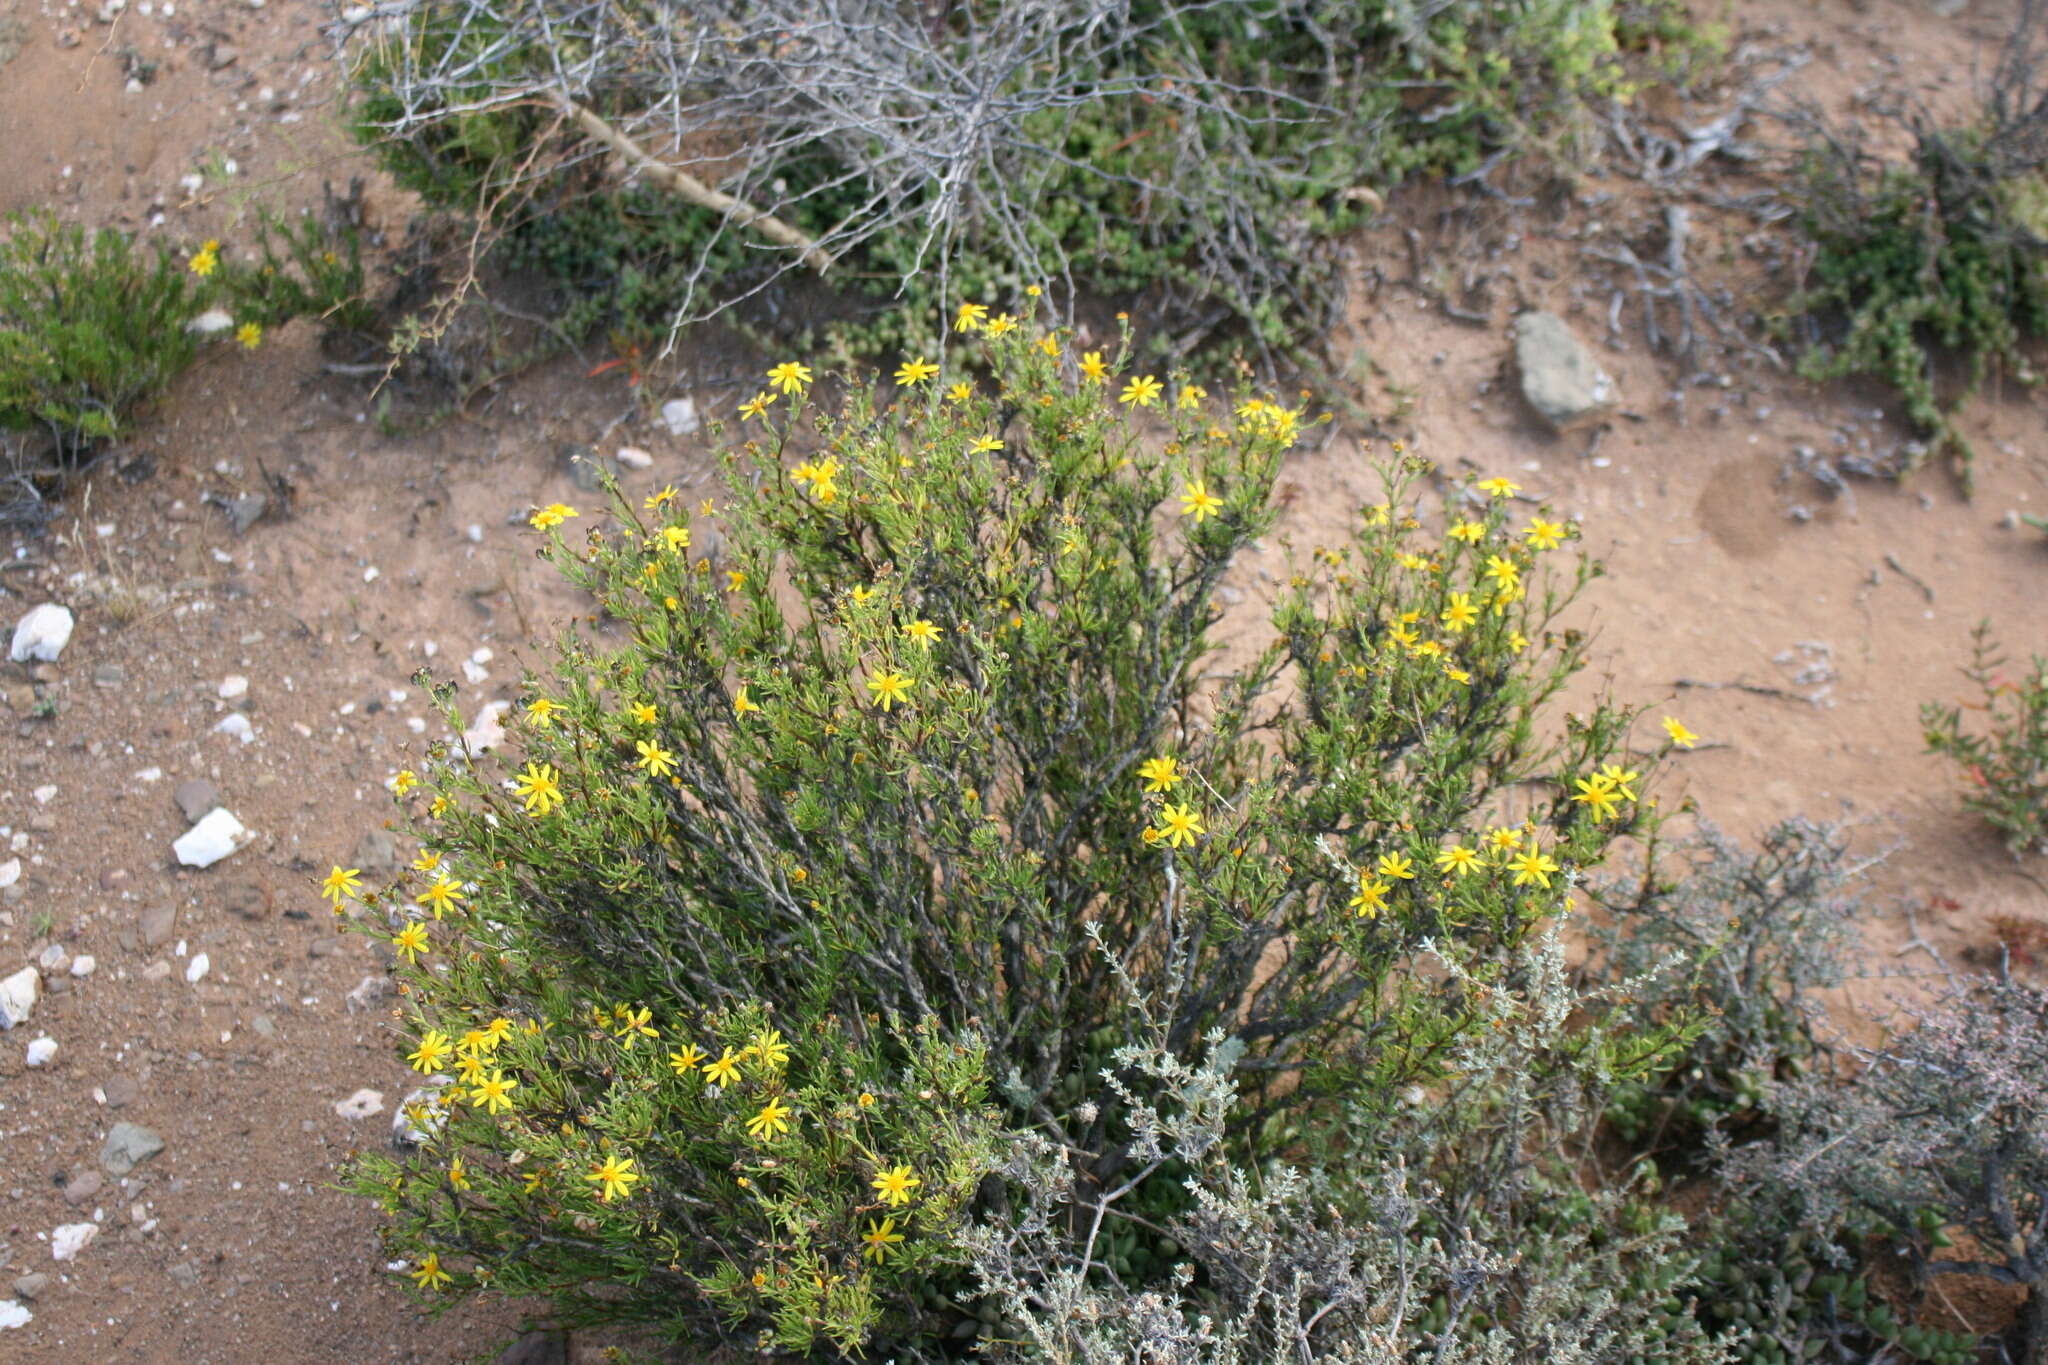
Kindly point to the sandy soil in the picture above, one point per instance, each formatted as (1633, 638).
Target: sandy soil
(230, 1244)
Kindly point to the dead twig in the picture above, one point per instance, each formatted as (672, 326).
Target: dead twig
(1903, 572)
(1755, 689)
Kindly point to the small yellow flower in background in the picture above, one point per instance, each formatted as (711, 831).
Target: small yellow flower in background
(499, 1030)
(632, 1025)
(1050, 344)
(442, 896)
(1191, 396)
(790, 376)
(1680, 736)
(1198, 502)
(1001, 325)
(1504, 839)
(429, 1275)
(1503, 571)
(1396, 865)
(250, 334)
(889, 688)
(675, 539)
(1532, 865)
(542, 712)
(1517, 642)
(735, 579)
(924, 632)
(427, 1057)
(725, 1070)
(1371, 897)
(866, 1100)
(771, 1122)
(1092, 366)
(769, 1047)
(643, 713)
(1179, 825)
(1460, 614)
(894, 1186)
(554, 514)
(458, 1177)
(914, 372)
(1032, 291)
(686, 1059)
(205, 260)
(438, 807)
(1545, 535)
(1412, 563)
(1141, 392)
(960, 392)
(426, 860)
(656, 760)
(539, 787)
(654, 502)
(1597, 793)
(478, 1041)
(1160, 774)
(1471, 532)
(969, 317)
(494, 1093)
(1499, 488)
(1379, 514)
(742, 703)
(881, 1238)
(755, 406)
(341, 883)
(983, 444)
(1457, 859)
(614, 1177)
(404, 782)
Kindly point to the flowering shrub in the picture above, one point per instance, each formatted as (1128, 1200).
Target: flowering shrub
(916, 720)
(2006, 765)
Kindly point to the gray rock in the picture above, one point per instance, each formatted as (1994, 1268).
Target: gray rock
(41, 634)
(1560, 378)
(120, 1091)
(375, 852)
(246, 511)
(31, 1286)
(586, 468)
(216, 835)
(185, 1273)
(264, 1025)
(157, 925)
(109, 675)
(195, 796)
(128, 1145)
(537, 1348)
(679, 415)
(83, 1186)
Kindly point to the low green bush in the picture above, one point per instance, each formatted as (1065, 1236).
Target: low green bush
(918, 722)
(2005, 759)
(91, 328)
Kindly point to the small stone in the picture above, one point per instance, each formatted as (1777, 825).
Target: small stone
(157, 925)
(42, 1051)
(375, 852)
(18, 995)
(31, 1286)
(185, 1273)
(83, 1186)
(14, 1315)
(213, 838)
(121, 1091)
(367, 993)
(236, 724)
(212, 322)
(1560, 378)
(680, 416)
(264, 1025)
(53, 960)
(41, 634)
(487, 731)
(196, 969)
(109, 675)
(195, 797)
(537, 1348)
(361, 1105)
(83, 964)
(219, 57)
(10, 872)
(157, 971)
(632, 457)
(128, 1145)
(67, 1241)
(245, 511)
(234, 685)
(248, 900)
